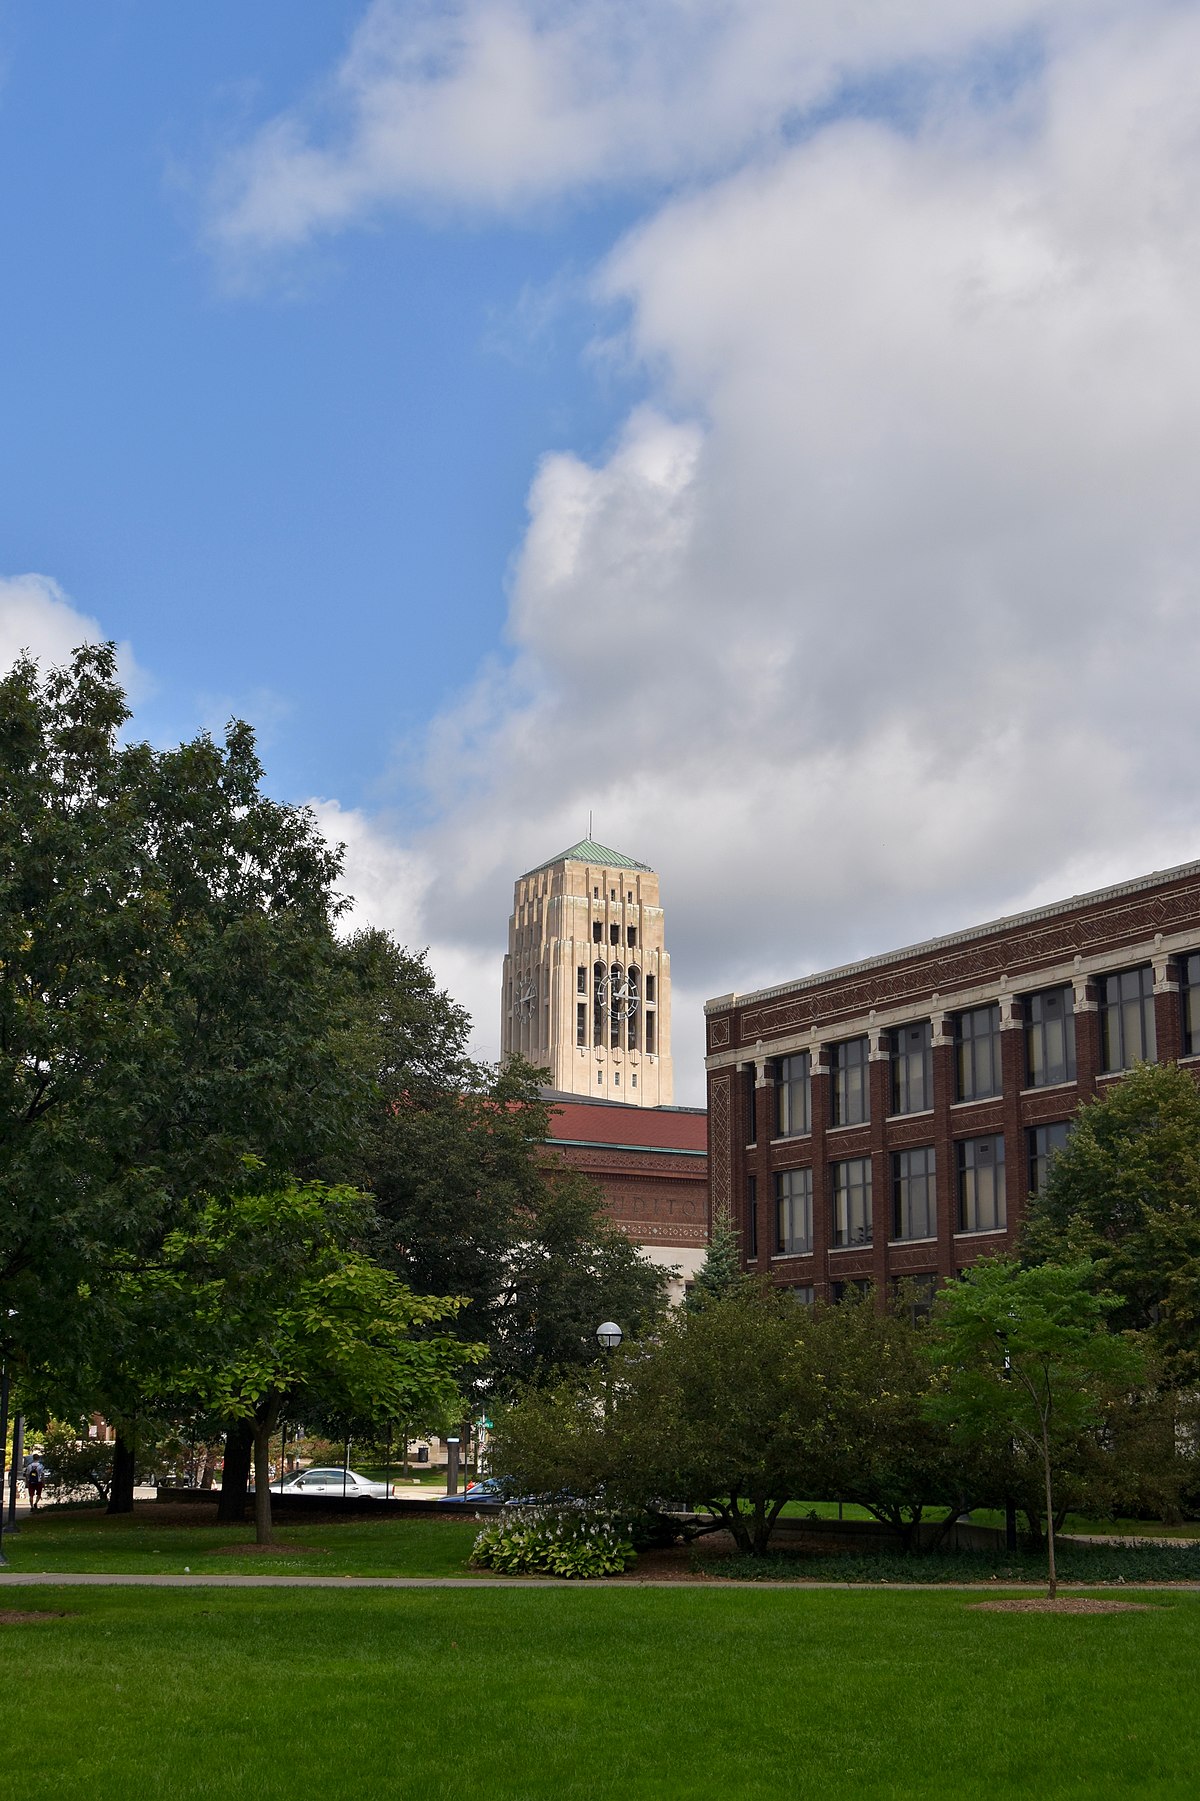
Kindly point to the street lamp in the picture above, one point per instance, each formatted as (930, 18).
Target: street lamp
(610, 1336)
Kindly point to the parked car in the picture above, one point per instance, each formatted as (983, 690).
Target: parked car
(487, 1490)
(333, 1482)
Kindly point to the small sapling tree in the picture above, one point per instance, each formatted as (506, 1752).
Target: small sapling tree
(1027, 1353)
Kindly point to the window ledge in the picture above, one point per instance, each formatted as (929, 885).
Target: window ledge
(848, 1250)
(790, 1138)
(893, 1119)
(790, 1256)
(1050, 1087)
(859, 1125)
(897, 1244)
(984, 1232)
(983, 1100)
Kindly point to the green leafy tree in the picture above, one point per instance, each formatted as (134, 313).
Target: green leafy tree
(1125, 1194)
(721, 1272)
(1027, 1353)
(168, 979)
(725, 1407)
(289, 1319)
(468, 1199)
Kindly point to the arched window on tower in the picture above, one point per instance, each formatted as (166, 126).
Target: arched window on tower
(615, 1008)
(598, 975)
(634, 980)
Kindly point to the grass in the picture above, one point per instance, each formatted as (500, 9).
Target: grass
(83, 1540)
(594, 1695)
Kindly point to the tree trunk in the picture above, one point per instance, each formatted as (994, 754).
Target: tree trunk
(235, 1479)
(262, 1484)
(120, 1494)
(1052, 1589)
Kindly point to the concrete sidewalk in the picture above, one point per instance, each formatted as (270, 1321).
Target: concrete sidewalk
(100, 1579)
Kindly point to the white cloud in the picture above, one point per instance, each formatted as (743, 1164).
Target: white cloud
(37, 616)
(884, 617)
(502, 104)
(881, 615)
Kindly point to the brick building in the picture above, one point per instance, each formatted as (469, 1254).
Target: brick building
(652, 1165)
(889, 1119)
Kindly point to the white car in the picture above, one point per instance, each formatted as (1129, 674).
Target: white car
(334, 1482)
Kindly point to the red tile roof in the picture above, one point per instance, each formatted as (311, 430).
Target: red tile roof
(657, 1128)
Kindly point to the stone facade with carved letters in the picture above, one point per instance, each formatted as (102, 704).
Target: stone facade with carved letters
(652, 1166)
(889, 1119)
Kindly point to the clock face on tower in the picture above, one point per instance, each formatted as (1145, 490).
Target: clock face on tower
(525, 997)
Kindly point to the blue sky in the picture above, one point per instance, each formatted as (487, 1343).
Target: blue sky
(772, 429)
(297, 499)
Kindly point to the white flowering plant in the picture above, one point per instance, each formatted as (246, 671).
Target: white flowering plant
(560, 1539)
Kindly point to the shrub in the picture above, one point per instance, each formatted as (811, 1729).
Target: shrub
(555, 1541)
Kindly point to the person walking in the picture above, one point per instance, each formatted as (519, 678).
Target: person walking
(35, 1481)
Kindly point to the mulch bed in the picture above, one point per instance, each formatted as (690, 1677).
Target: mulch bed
(12, 1616)
(1063, 1604)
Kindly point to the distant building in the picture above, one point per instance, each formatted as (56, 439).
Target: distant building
(889, 1119)
(652, 1166)
(587, 979)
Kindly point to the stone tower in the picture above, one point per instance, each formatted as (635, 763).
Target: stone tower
(587, 981)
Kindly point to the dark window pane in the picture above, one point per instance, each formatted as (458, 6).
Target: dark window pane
(752, 1216)
(1045, 1142)
(1190, 999)
(914, 1194)
(912, 1068)
(849, 1069)
(981, 1201)
(793, 1095)
(793, 1212)
(1050, 1037)
(977, 1048)
(852, 1201)
(1127, 1018)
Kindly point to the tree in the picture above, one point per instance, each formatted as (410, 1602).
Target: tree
(721, 1271)
(289, 1319)
(723, 1406)
(468, 1202)
(169, 981)
(1125, 1194)
(1027, 1353)
(886, 1452)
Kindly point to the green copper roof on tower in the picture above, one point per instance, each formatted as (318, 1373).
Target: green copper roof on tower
(588, 851)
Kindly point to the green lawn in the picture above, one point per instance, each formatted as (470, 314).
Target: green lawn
(83, 1540)
(594, 1695)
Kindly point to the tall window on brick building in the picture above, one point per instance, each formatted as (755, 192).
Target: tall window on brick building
(981, 1204)
(849, 1066)
(1050, 1037)
(1127, 1018)
(852, 1201)
(912, 1068)
(1045, 1142)
(750, 1095)
(914, 1196)
(793, 1212)
(1189, 999)
(977, 1053)
(751, 1217)
(793, 1095)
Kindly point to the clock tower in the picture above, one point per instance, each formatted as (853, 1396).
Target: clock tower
(587, 980)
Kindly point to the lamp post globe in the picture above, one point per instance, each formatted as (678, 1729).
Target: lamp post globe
(609, 1335)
